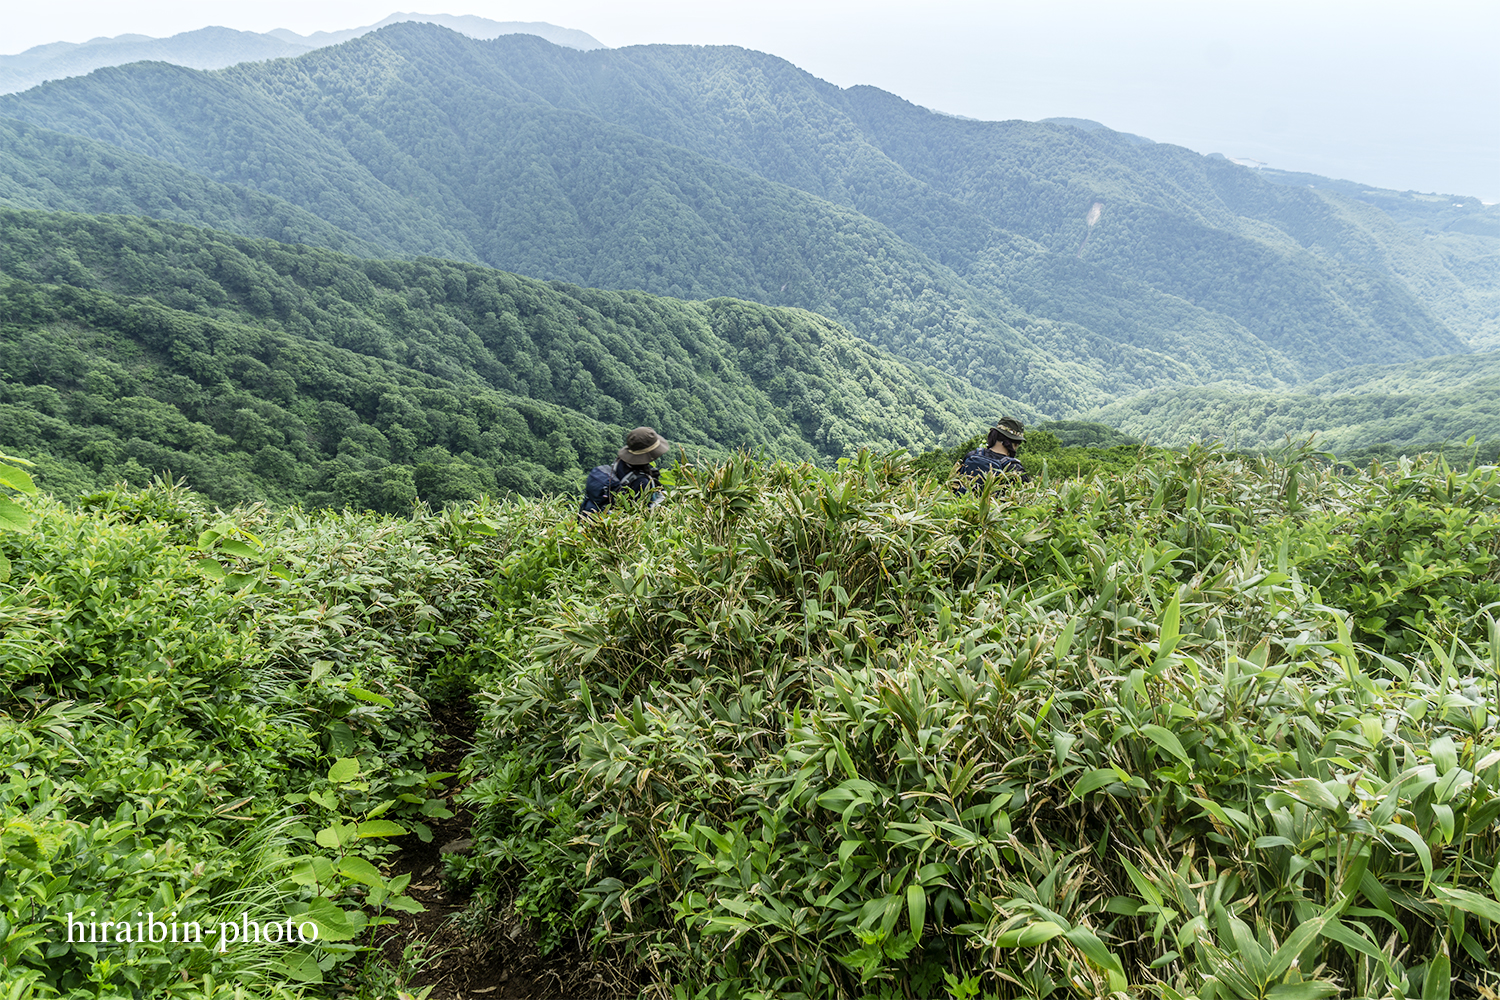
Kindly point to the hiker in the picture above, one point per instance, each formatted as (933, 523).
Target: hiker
(632, 471)
(997, 457)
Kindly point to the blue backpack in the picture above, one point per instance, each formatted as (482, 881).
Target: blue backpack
(604, 484)
(982, 462)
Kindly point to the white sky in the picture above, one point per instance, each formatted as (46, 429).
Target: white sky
(1394, 94)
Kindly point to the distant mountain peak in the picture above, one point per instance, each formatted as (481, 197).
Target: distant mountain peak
(472, 25)
(216, 47)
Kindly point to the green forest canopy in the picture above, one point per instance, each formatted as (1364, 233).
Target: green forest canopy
(258, 370)
(1421, 403)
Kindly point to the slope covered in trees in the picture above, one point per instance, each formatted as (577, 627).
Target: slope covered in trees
(1443, 400)
(705, 171)
(42, 169)
(265, 371)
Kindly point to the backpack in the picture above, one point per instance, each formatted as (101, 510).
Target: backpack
(982, 462)
(603, 485)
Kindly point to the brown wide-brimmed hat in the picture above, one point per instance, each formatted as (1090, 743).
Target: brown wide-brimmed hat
(643, 445)
(1011, 429)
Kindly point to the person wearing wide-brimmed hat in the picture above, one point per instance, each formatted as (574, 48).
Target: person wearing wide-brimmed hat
(633, 470)
(997, 457)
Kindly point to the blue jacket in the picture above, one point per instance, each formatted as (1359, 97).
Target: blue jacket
(607, 482)
(982, 462)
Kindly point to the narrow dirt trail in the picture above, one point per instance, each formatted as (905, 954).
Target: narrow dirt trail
(500, 961)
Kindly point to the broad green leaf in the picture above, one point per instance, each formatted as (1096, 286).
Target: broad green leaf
(1352, 939)
(845, 761)
(336, 835)
(1094, 950)
(361, 871)
(299, 966)
(1029, 936)
(916, 909)
(381, 828)
(1451, 783)
(405, 904)
(1312, 792)
(312, 869)
(1354, 877)
(331, 923)
(1412, 837)
(1296, 942)
(238, 549)
(17, 479)
(1444, 755)
(1314, 990)
(1444, 815)
(1065, 640)
(1438, 983)
(13, 516)
(1092, 780)
(1469, 902)
(371, 697)
(1166, 739)
(1143, 885)
(1256, 960)
(1036, 934)
(1261, 843)
(344, 769)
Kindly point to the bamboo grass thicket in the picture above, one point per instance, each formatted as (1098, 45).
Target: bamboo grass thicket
(1206, 726)
(1215, 727)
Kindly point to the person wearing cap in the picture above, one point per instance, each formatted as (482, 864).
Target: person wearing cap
(633, 470)
(997, 457)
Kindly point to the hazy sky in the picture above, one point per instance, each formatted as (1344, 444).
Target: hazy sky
(1393, 94)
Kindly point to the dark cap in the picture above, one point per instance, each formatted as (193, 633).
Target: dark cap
(642, 446)
(1011, 429)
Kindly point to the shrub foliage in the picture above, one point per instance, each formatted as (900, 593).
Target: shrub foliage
(1208, 726)
(1212, 727)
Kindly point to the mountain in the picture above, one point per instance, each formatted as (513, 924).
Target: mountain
(1436, 401)
(41, 169)
(697, 172)
(262, 371)
(205, 48)
(464, 24)
(217, 47)
(1461, 230)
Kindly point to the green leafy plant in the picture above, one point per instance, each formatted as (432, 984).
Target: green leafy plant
(13, 517)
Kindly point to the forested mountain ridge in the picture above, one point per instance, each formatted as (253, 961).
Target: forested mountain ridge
(1462, 231)
(1440, 401)
(697, 172)
(264, 371)
(53, 171)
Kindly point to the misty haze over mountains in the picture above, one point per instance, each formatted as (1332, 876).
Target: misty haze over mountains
(218, 47)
